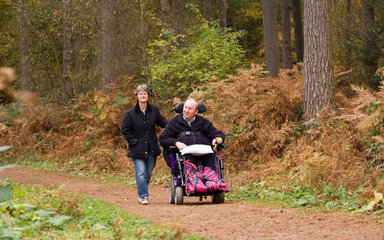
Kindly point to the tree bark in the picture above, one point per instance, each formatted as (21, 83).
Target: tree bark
(206, 9)
(318, 72)
(222, 8)
(107, 28)
(370, 58)
(144, 40)
(24, 46)
(348, 22)
(178, 12)
(67, 49)
(166, 13)
(286, 34)
(77, 40)
(298, 29)
(269, 8)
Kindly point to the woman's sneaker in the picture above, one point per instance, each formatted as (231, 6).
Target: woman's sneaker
(143, 201)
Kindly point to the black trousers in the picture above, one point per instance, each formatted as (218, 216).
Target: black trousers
(167, 158)
(206, 160)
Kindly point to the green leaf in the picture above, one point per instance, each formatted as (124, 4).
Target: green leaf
(302, 202)
(58, 220)
(45, 213)
(5, 193)
(9, 234)
(24, 206)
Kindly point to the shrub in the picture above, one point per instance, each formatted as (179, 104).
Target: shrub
(180, 63)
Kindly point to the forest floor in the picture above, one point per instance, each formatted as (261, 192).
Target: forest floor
(231, 220)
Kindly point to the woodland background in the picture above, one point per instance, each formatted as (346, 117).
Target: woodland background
(295, 85)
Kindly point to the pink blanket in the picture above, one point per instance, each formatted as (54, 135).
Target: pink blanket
(202, 182)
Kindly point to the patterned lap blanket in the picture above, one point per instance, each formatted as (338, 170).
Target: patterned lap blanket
(202, 182)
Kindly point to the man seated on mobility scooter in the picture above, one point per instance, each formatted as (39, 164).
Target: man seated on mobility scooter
(194, 136)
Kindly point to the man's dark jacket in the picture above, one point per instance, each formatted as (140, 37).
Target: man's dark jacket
(139, 130)
(178, 124)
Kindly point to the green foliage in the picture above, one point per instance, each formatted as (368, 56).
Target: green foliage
(9, 112)
(235, 132)
(311, 124)
(375, 153)
(8, 35)
(46, 45)
(120, 99)
(330, 197)
(365, 42)
(334, 197)
(90, 141)
(304, 196)
(5, 193)
(308, 125)
(180, 63)
(31, 161)
(39, 213)
(373, 106)
(247, 15)
(21, 219)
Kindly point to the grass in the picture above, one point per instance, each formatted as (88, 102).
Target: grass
(330, 198)
(51, 213)
(71, 167)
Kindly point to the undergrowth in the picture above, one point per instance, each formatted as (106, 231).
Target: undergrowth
(268, 138)
(47, 213)
(327, 198)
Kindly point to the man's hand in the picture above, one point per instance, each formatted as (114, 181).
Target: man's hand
(217, 140)
(180, 145)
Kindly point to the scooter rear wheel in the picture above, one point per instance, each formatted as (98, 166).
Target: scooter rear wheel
(179, 194)
(171, 192)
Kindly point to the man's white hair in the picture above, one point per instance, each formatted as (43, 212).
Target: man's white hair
(192, 100)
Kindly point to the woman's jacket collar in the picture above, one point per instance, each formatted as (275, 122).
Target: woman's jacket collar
(148, 109)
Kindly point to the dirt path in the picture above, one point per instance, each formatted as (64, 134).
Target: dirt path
(232, 220)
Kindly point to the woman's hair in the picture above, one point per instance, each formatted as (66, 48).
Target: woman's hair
(142, 87)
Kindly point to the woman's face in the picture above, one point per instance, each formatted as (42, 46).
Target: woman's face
(142, 96)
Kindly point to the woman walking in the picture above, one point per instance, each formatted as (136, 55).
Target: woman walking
(139, 129)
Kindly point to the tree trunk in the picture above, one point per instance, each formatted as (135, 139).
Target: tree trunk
(298, 29)
(318, 73)
(286, 34)
(222, 8)
(370, 58)
(269, 8)
(178, 10)
(166, 13)
(143, 40)
(67, 49)
(107, 59)
(24, 46)
(348, 59)
(77, 40)
(206, 9)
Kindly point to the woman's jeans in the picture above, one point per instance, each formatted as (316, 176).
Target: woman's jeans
(143, 173)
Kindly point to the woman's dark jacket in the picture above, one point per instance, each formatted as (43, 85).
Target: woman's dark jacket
(203, 132)
(139, 130)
